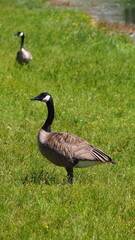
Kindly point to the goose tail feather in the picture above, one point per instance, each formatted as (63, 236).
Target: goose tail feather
(113, 162)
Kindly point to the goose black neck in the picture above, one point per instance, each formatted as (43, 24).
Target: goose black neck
(50, 117)
(22, 41)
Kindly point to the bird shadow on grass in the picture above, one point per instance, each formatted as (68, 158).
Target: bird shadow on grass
(41, 177)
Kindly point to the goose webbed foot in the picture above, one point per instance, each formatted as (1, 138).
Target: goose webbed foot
(70, 174)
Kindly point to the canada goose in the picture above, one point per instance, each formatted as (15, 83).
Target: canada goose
(64, 149)
(23, 55)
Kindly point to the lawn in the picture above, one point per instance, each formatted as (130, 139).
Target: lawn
(90, 73)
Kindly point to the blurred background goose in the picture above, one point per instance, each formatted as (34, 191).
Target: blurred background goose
(23, 56)
(64, 149)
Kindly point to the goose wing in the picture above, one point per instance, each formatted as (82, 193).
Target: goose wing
(74, 147)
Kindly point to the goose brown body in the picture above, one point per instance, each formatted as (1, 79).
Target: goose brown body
(23, 56)
(64, 149)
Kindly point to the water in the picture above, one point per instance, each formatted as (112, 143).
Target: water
(120, 11)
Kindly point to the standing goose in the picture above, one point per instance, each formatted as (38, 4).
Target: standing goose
(23, 56)
(64, 149)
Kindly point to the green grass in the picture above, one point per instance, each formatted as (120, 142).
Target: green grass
(90, 74)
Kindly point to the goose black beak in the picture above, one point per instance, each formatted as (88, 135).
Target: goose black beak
(35, 98)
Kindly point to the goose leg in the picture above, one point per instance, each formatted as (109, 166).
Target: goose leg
(70, 174)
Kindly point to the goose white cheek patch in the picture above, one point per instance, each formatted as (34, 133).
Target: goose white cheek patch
(46, 98)
(21, 34)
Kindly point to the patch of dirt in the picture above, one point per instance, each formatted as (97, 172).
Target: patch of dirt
(59, 3)
(116, 27)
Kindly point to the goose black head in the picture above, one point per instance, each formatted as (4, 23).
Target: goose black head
(19, 34)
(43, 97)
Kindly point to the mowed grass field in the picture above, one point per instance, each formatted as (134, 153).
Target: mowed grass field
(90, 74)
